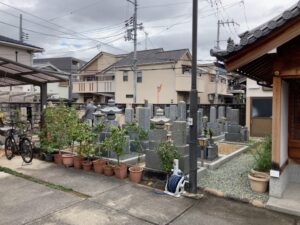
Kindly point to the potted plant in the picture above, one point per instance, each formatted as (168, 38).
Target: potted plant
(116, 143)
(108, 169)
(85, 138)
(71, 124)
(99, 164)
(136, 171)
(55, 127)
(47, 150)
(86, 150)
(167, 152)
(259, 176)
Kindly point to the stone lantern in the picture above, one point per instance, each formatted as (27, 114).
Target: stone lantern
(110, 110)
(159, 119)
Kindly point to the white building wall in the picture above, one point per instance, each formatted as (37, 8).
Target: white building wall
(22, 56)
(254, 90)
(55, 88)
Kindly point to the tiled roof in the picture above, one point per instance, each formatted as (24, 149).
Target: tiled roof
(13, 41)
(152, 56)
(249, 37)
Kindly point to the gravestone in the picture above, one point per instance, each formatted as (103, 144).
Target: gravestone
(221, 112)
(235, 116)
(212, 114)
(179, 139)
(144, 118)
(199, 121)
(167, 111)
(150, 106)
(137, 113)
(156, 136)
(181, 111)
(173, 112)
(129, 115)
(228, 112)
(213, 124)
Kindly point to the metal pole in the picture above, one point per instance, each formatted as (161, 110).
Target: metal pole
(193, 105)
(134, 50)
(216, 99)
(21, 29)
(218, 35)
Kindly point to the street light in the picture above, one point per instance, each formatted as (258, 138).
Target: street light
(203, 143)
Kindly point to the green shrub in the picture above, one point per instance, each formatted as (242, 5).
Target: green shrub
(167, 153)
(263, 155)
(116, 142)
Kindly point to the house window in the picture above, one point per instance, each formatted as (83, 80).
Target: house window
(212, 78)
(139, 78)
(186, 68)
(129, 96)
(125, 76)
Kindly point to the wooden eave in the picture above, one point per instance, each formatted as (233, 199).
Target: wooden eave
(254, 60)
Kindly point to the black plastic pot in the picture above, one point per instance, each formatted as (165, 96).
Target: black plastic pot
(48, 157)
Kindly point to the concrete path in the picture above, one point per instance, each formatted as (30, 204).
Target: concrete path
(290, 201)
(112, 201)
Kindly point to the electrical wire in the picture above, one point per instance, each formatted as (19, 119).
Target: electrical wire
(245, 14)
(57, 25)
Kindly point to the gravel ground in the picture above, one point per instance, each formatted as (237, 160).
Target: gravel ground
(232, 179)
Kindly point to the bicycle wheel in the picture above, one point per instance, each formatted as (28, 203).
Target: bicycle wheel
(10, 148)
(26, 150)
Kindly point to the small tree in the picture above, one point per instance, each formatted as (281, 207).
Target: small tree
(141, 135)
(72, 125)
(167, 153)
(85, 137)
(116, 142)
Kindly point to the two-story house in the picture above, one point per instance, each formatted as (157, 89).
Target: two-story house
(163, 77)
(64, 65)
(19, 52)
(214, 84)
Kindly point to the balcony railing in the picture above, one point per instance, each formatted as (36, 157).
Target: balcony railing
(93, 86)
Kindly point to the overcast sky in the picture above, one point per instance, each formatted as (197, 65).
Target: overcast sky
(83, 28)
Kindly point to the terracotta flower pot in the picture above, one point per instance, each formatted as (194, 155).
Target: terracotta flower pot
(86, 165)
(99, 165)
(77, 162)
(108, 170)
(259, 182)
(121, 171)
(136, 173)
(58, 158)
(68, 160)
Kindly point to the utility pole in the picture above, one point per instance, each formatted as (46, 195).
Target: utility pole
(133, 22)
(21, 29)
(220, 22)
(193, 105)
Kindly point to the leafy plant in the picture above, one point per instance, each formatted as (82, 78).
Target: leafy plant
(116, 142)
(141, 135)
(167, 153)
(99, 127)
(85, 137)
(263, 155)
(72, 124)
(208, 132)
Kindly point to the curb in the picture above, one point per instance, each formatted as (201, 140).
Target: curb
(221, 194)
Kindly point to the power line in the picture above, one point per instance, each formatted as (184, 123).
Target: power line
(245, 15)
(75, 10)
(67, 29)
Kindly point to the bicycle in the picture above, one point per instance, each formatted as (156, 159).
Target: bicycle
(24, 148)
